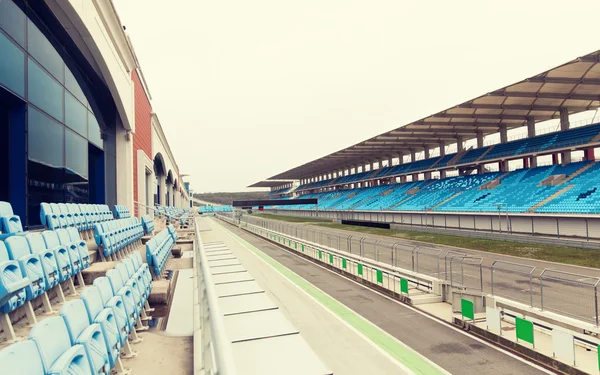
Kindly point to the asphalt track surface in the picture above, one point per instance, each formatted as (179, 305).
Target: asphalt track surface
(448, 347)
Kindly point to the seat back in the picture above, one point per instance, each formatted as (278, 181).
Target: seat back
(74, 234)
(36, 242)
(17, 247)
(122, 268)
(52, 339)
(118, 306)
(51, 239)
(22, 358)
(45, 210)
(116, 281)
(76, 318)
(93, 302)
(105, 289)
(63, 236)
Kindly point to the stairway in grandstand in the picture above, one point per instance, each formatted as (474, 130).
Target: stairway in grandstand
(550, 198)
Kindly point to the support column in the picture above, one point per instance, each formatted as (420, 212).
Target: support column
(426, 175)
(565, 125)
(588, 154)
(554, 158)
(412, 155)
(459, 143)
(480, 167)
(443, 174)
(479, 139)
(503, 133)
(442, 149)
(530, 127)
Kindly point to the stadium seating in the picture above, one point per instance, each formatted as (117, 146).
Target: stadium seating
(121, 212)
(81, 216)
(116, 237)
(10, 222)
(148, 224)
(211, 209)
(581, 194)
(159, 248)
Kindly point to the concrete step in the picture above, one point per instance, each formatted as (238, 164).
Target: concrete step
(422, 299)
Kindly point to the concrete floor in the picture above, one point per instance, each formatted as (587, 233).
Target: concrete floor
(454, 351)
(340, 348)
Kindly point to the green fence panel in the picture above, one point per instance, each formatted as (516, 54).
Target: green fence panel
(404, 286)
(360, 269)
(320, 254)
(295, 245)
(467, 309)
(524, 330)
(344, 264)
(379, 276)
(302, 247)
(331, 258)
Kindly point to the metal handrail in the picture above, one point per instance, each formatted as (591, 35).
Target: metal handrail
(223, 355)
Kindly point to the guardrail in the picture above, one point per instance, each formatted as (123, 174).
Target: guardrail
(569, 294)
(382, 274)
(212, 351)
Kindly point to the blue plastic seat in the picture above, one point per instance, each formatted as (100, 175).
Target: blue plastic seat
(48, 217)
(48, 258)
(87, 334)
(21, 358)
(31, 265)
(54, 345)
(126, 293)
(61, 253)
(116, 304)
(72, 248)
(12, 283)
(11, 223)
(105, 317)
(82, 248)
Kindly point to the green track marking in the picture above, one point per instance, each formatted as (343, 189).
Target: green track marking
(416, 363)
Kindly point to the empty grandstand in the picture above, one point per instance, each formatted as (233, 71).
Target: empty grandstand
(460, 163)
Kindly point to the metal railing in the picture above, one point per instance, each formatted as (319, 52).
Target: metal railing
(569, 294)
(500, 271)
(559, 289)
(215, 350)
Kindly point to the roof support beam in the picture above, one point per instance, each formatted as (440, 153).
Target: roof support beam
(543, 95)
(564, 80)
(535, 107)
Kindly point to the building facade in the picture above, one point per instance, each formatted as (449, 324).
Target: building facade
(74, 113)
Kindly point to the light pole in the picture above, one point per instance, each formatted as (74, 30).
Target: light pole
(499, 205)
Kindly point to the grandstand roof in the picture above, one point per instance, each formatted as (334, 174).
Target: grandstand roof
(270, 183)
(574, 86)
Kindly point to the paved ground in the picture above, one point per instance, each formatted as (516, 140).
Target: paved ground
(574, 298)
(451, 349)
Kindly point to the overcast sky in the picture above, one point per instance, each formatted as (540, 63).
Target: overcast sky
(247, 89)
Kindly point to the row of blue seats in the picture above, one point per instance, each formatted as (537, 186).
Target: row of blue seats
(207, 209)
(116, 235)
(122, 212)
(81, 216)
(91, 332)
(148, 224)
(32, 264)
(159, 248)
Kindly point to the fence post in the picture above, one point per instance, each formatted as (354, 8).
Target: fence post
(492, 276)
(531, 290)
(596, 301)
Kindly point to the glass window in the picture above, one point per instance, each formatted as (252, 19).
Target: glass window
(73, 86)
(12, 66)
(12, 20)
(44, 91)
(76, 155)
(40, 48)
(75, 115)
(45, 142)
(94, 130)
